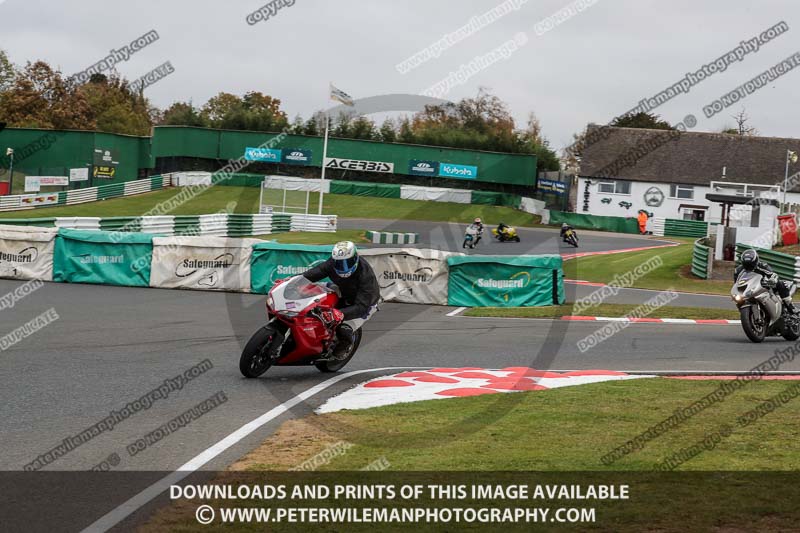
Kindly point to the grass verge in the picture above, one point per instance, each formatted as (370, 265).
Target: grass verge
(606, 310)
(672, 274)
(246, 199)
(554, 436)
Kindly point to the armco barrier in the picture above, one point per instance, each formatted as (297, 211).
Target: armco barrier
(579, 220)
(505, 281)
(102, 258)
(218, 224)
(389, 237)
(26, 252)
(785, 265)
(702, 260)
(201, 263)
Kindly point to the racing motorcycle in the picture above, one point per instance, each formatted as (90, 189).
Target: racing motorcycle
(570, 237)
(301, 330)
(508, 234)
(471, 237)
(761, 310)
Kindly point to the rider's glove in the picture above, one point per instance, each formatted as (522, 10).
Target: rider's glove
(338, 316)
(772, 281)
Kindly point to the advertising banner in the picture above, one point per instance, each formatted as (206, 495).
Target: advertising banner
(418, 167)
(268, 155)
(450, 170)
(354, 164)
(32, 200)
(201, 263)
(32, 184)
(102, 257)
(79, 174)
(105, 163)
(271, 261)
(27, 252)
(296, 156)
(410, 275)
(505, 281)
(552, 187)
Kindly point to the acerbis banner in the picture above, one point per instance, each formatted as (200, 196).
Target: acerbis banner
(451, 170)
(418, 167)
(268, 155)
(296, 156)
(355, 164)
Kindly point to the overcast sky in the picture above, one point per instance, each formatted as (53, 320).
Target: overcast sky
(589, 68)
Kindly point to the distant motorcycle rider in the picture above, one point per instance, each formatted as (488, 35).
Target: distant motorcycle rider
(360, 292)
(751, 263)
(564, 229)
(477, 225)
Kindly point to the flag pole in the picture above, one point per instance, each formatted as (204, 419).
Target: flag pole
(324, 157)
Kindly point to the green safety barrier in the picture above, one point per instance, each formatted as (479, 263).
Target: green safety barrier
(596, 222)
(102, 257)
(784, 265)
(240, 225)
(392, 237)
(271, 261)
(48, 222)
(685, 228)
(496, 198)
(361, 188)
(505, 281)
(700, 255)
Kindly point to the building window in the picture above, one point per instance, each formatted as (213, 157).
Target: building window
(684, 192)
(614, 187)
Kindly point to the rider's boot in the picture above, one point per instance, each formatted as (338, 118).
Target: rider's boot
(344, 339)
(787, 302)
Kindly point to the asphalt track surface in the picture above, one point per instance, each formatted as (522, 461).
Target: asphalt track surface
(450, 236)
(112, 345)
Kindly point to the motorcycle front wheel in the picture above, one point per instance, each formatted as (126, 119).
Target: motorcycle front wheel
(335, 366)
(255, 359)
(756, 333)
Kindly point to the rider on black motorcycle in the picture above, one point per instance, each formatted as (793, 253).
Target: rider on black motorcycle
(359, 290)
(751, 263)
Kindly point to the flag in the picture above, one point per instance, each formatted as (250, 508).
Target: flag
(341, 96)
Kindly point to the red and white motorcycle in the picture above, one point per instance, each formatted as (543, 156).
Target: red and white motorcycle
(301, 330)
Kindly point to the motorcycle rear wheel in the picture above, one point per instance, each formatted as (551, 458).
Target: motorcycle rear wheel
(754, 333)
(255, 359)
(791, 332)
(334, 366)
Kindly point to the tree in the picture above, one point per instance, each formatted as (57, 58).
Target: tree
(641, 120)
(388, 133)
(741, 128)
(182, 114)
(535, 143)
(7, 72)
(571, 155)
(114, 107)
(40, 97)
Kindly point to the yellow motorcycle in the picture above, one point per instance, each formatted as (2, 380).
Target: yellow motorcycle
(505, 233)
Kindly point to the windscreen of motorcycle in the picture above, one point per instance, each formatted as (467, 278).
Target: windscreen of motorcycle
(296, 294)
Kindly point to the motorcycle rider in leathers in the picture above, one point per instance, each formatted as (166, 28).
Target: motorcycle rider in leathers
(360, 292)
(751, 263)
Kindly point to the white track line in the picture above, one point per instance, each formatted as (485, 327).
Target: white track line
(124, 510)
(456, 312)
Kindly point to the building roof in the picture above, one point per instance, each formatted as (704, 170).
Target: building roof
(689, 157)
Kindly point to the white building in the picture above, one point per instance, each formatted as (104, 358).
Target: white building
(669, 174)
